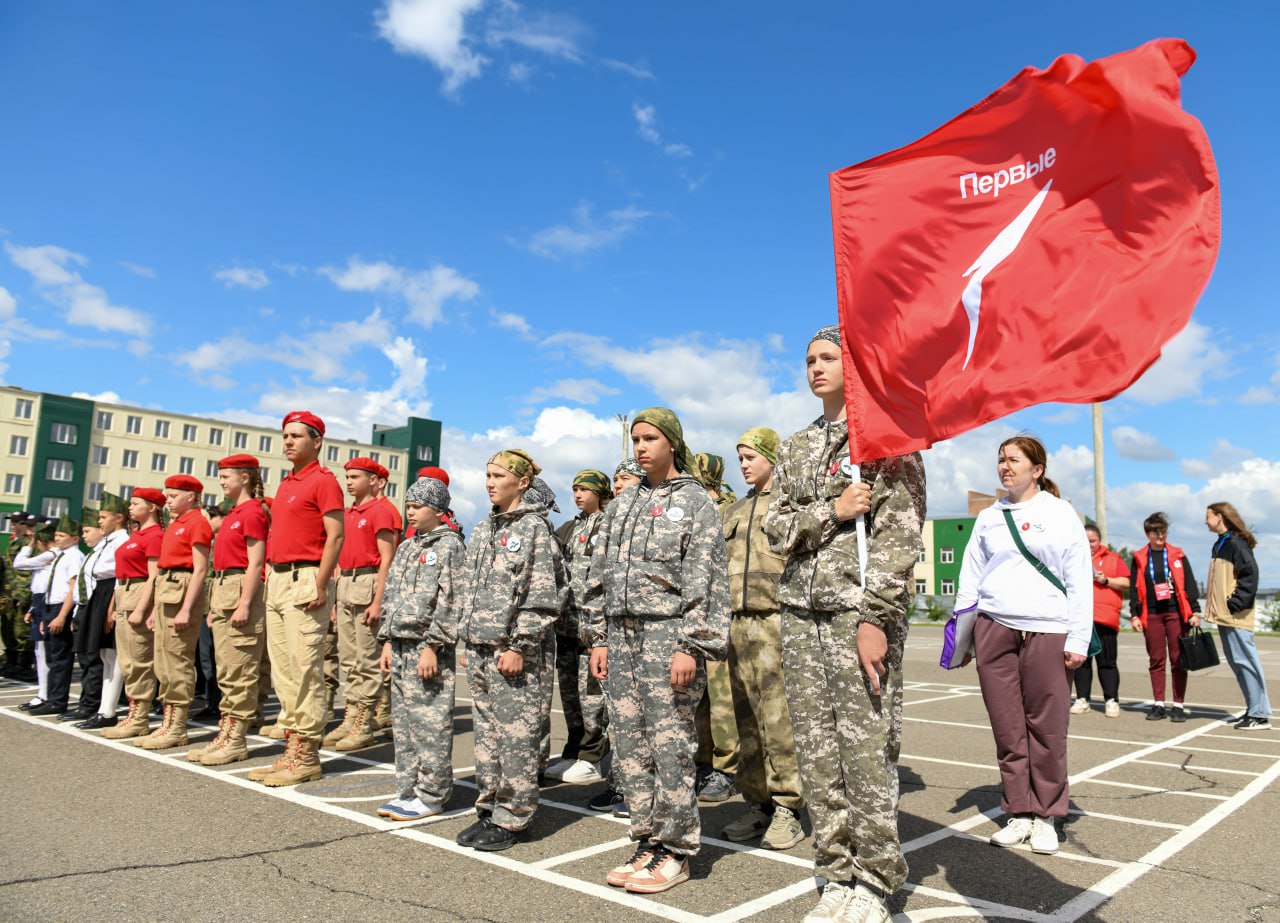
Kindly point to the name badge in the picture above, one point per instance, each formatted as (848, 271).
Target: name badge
(1164, 591)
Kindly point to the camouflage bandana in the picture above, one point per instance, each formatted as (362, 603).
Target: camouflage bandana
(517, 461)
(629, 466)
(68, 525)
(830, 333)
(595, 481)
(713, 467)
(763, 440)
(540, 494)
(110, 503)
(428, 492)
(669, 425)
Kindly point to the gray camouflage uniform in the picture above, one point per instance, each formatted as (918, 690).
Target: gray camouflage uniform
(659, 573)
(515, 589)
(847, 739)
(420, 609)
(581, 695)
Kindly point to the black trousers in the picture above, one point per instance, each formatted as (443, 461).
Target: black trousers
(59, 657)
(207, 666)
(1108, 672)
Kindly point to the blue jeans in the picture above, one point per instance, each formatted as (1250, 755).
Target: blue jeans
(1242, 655)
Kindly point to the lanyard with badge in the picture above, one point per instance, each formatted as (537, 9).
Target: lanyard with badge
(1164, 590)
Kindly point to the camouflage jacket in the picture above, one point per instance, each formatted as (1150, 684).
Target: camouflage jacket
(577, 538)
(754, 567)
(660, 554)
(420, 602)
(17, 583)
(516, 583)
(822, 573)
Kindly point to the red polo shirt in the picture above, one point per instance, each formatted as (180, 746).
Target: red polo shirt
(244, 521)
(395, 516)
(131, 557)
(1106, 601)
(188, 530)
(297, 514)
(360, 541)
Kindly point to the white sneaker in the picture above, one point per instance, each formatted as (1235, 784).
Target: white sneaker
(1013, 833)
(866, 906)
(1113, 708)
(1044, 836)
(557, 769)
(582, 773)
(831, 906)
(1081, 706)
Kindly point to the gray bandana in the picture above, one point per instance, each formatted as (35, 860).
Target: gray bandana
(428, 492)
(631, 467)
(540, 494)
(830, 333)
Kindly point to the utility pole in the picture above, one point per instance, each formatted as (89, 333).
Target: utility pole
(626, 435)
(1099, 478)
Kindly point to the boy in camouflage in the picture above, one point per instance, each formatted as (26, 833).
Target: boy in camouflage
(515, 588)
(419, 635)
(658, 572)
(843, 638)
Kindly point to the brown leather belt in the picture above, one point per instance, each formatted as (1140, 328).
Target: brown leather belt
(357, 571)
(293, 565)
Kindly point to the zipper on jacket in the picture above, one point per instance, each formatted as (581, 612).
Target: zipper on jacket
(747, 567)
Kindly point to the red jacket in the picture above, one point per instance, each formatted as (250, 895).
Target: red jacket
(1177, 567)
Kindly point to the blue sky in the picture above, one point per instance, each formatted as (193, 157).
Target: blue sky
(523, 219)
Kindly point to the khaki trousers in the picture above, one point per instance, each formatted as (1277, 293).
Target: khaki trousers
(358, 649)
(238, 649)
(135, 644)
(175, 650)
(715, 721)
(295, 642)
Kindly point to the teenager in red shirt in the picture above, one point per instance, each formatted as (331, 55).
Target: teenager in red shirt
(1110, 579)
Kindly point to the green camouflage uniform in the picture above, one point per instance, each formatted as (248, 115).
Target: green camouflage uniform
(420, 609)
(515, 589)
(767, 768)
(847, 739)
(15, 602)
(581, 696)
(659, 574)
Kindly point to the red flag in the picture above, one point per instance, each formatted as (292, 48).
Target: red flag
(1042, 246)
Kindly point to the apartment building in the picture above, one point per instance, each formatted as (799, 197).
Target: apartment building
(60, 452)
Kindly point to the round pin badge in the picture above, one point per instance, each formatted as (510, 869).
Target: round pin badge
(675, 514)
(582, 538)
(657, 511)
(513, 544)
(846, 467)
(431, 558)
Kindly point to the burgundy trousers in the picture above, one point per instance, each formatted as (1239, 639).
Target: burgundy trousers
(1027, 691)
(1162, 634)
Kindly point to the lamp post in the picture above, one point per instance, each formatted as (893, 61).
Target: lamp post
(626, 434)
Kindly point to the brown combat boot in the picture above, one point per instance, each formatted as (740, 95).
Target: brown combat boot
(160, 731)
(382, 714)
(283, 760)
(197, 754)
(342, 730)
(137, 723)
(274, 731)
(173, 733)
(232, 748)
(361, 732)
(305, 766)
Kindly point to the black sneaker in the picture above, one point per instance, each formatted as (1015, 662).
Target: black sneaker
(1156, 713)
(1177, 715)
(607, 800)
(467, 836)
(1251, 723)
(494, 838)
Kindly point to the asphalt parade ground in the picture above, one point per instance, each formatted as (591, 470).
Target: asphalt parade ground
(1168, 822)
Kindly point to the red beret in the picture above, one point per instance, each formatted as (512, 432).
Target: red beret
(431, 472)
(239, 461)
(365, 464)
(150, 494)
(305, 417)
(184, 482)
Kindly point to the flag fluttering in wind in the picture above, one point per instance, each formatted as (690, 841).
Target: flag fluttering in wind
(1042, 246)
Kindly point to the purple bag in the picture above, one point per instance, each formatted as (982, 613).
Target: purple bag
(957, 638)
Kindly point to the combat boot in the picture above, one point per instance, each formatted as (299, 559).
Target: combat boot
(361, 732)
(161, 731)
(341, 731)
(196, 755)
(305, 766)
(382, 714)
(137, 723)
(274, 731)
(283, 760)
(173, 732)
(232, 749)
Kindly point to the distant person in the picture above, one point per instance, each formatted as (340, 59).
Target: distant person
(1110, 579)
(1230, 591)
(1162, 605)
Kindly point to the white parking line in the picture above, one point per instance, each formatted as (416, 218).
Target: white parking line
(1153, 789)
(1195, 767)
(585, 853)
(1140, 821)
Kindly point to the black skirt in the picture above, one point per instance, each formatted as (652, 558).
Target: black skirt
(90, 637)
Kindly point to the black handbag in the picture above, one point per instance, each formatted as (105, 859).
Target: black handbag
(1199, 652)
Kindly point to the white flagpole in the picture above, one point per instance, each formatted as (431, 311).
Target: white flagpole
(861, 527)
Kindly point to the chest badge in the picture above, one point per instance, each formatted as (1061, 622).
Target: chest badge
(512, 543)
(846, 467)
(675, 514)
(429, 558)
(657, 511)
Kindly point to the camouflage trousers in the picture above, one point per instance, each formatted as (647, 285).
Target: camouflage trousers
(583, 700)
(13, 631)
(767, 767)
(507, 718)
(847, 741)
(654, 733)
(422, 719)
(714, 719)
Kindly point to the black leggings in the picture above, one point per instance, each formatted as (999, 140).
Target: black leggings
(1108, 673)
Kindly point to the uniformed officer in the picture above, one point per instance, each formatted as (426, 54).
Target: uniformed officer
(16, 601)
(55, 624)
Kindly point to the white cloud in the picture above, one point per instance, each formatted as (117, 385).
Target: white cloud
(85, 305)
(1135, 444)
(435, 30)
(145, 271)
(1223, 456)
(1065, 416)
(102, 397)
(551, 34)
(585, 234)
(646, 116)
(242, 277)
(8, 305)
(639, 70)
(424, 291)
(513, 322)
(582, 390)
(1257, 395)
(1187, 360)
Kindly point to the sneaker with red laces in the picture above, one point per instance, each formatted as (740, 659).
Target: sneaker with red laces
(662, 872)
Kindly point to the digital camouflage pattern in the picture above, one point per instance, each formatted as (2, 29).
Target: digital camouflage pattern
(422, 721)
(821, 572)
(582, 697)
(422, 595)
(578, 538)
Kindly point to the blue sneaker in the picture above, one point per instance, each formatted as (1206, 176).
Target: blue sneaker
(412, 809)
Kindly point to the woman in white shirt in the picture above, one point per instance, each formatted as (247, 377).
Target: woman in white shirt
(1027, 573)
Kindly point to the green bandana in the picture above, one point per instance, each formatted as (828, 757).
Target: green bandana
(713, 467)
(44, 532)
(68, 525)
(517, 461)
(669, 425)
(763, 440)
(595, 481)
(89, 517)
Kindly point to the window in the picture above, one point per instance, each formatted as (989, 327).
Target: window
(17, 445)
(95, 491)
(921, 587)
(162, 429)
(63, 433)
(242, 440)
(130, 459)
(333, 453)
(374, 456)
(133, 425)
(158, 461)
(425, 454)
(264, 443)
(948, 588)
(54, 507)
(211, 469)
(22, 409)
(265, 474)
(188, 432)
(391, 489)
(58, 470)
(186, 465)
(126, 492)
(394, 462)
(946, 555)
(211, 500)
(103, 419)
(13, 483)
(354, 453)
(215, 436)
(924, 556)
(100, 455)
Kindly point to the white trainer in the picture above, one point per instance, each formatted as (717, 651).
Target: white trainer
(557, 769)
(1112, 709)
(1081, 706)
(866, 906)
(831, 906)
(1011, 834)
(582, 773)
(1044, 836)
